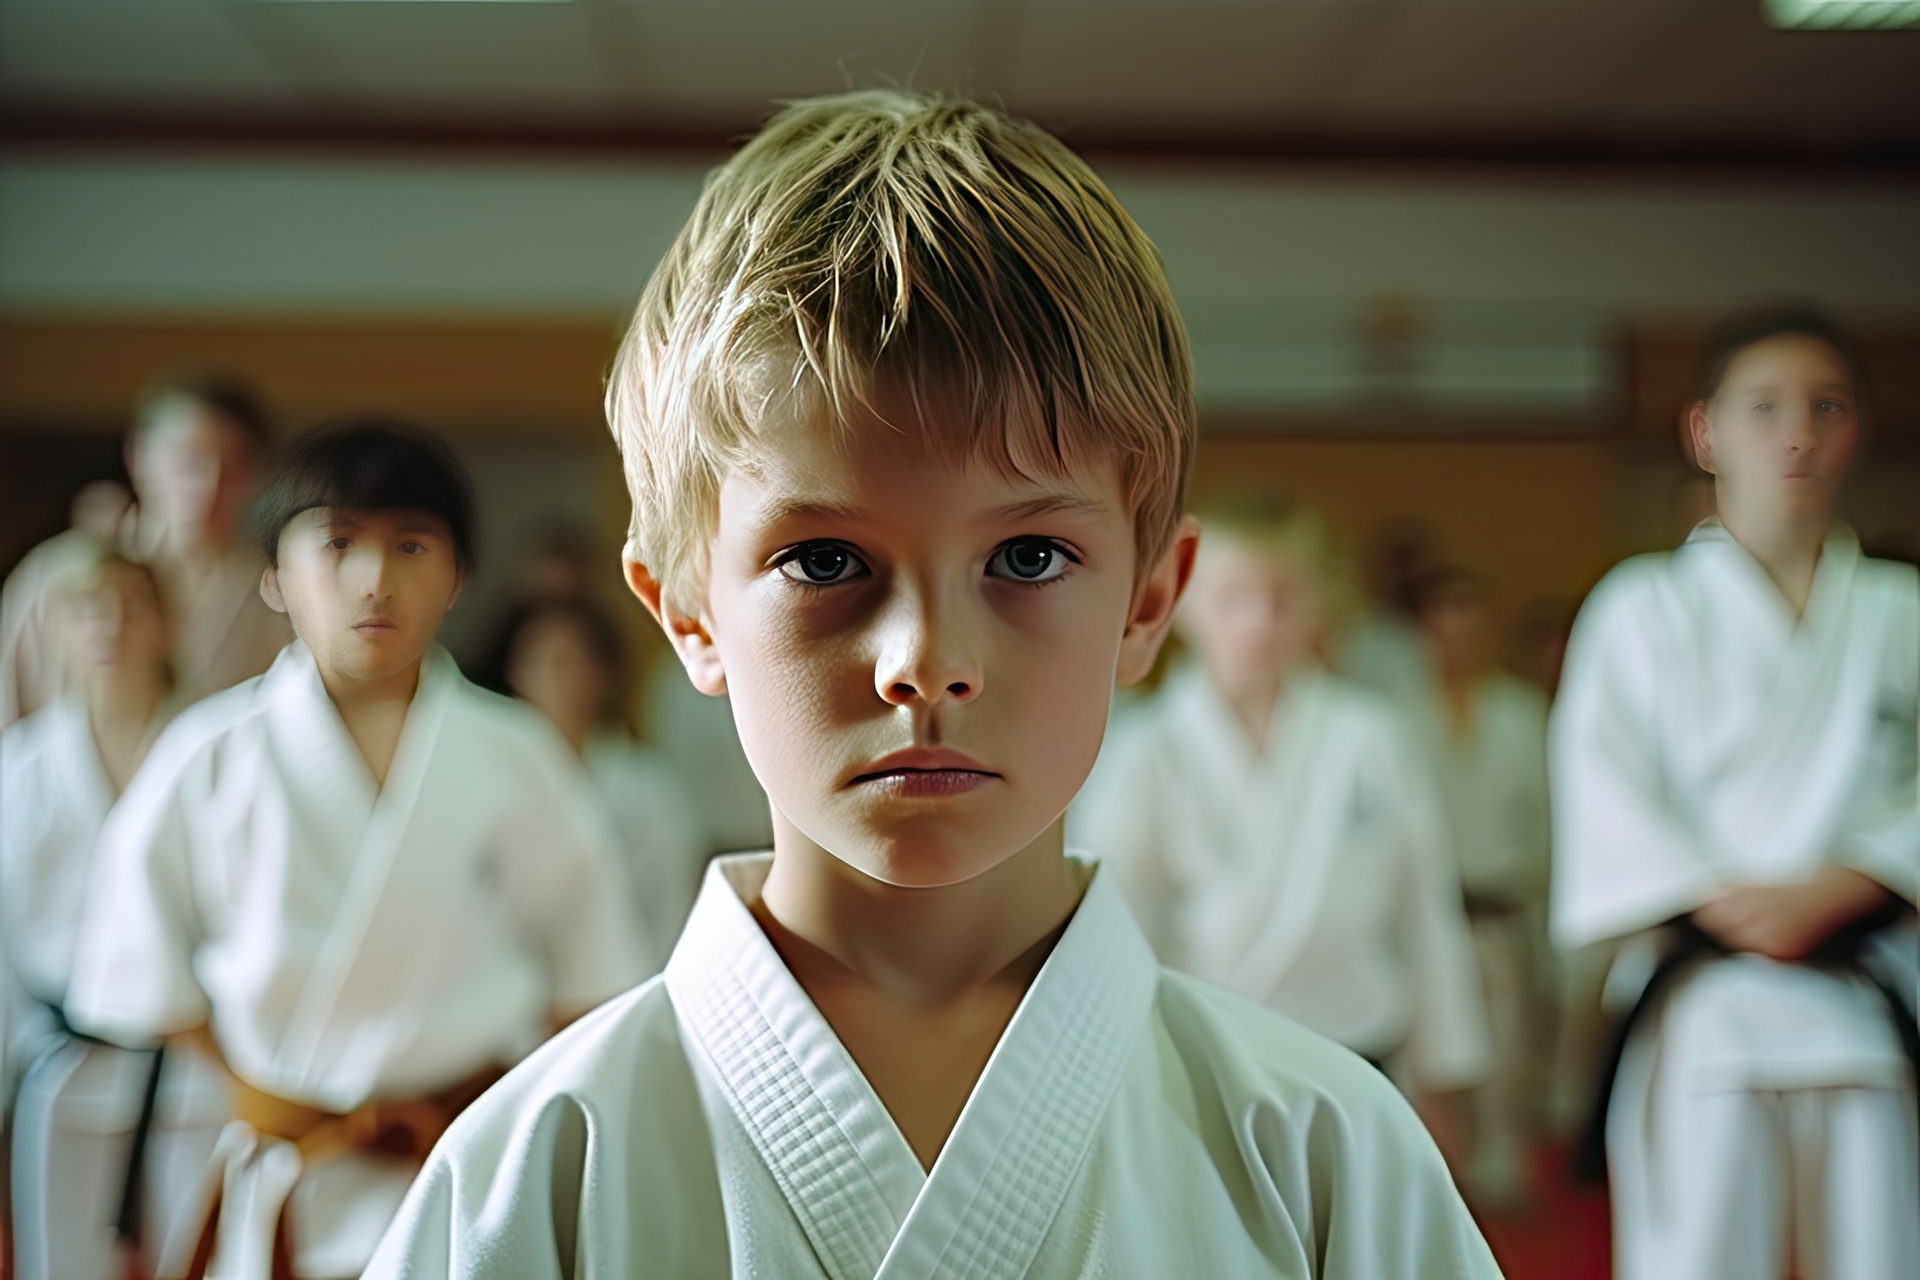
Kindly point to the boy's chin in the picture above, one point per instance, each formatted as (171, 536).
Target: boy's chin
(924, 863)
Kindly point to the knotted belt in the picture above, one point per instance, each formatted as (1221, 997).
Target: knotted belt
(1688, 945)
(405, 1128)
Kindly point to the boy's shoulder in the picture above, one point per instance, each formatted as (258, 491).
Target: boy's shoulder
(625, 1054)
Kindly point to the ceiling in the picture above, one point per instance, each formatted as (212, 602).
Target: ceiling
(1520, 79)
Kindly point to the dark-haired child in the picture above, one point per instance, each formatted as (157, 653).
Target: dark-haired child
(1733, 763)
(369, 884)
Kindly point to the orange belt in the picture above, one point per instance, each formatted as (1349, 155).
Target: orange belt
(406, 1127)
(402, 1127)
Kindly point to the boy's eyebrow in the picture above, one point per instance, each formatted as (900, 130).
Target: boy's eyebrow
(1053, 504)
(790, 509)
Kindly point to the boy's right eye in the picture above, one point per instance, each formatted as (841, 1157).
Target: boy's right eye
(340, 543)
(821, 563)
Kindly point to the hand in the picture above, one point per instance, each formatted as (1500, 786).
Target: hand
(1788, 921)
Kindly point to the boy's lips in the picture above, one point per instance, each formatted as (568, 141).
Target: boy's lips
(376, 626)
(925, 772)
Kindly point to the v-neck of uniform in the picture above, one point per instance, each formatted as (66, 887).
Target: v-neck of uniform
(852, 1180)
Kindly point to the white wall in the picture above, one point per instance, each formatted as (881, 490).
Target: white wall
(1259, 259)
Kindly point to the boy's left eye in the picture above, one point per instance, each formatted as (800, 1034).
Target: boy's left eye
(820, 564)
(1029, 560)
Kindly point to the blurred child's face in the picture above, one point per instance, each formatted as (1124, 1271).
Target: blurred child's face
(190, 468)
(366, 590)
(555, 668)
(120, 625)
(1252, 614)
(920, 654)
(1460, 629)
(1779, 434)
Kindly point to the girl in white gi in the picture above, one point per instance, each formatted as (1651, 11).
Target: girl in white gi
(1277, 827)
(1485, 731)
(370, 885)
(61, 769)
(567, 659)
(1734, 755)
(906, 416)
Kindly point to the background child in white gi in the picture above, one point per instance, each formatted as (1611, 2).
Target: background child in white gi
(1277, 827)
(566, 658)
(377, 883)
(1734, 749)
(1485, 731)
(61, 769)
(906, 413)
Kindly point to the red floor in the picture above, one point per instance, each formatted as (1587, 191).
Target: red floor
(1565, 1237)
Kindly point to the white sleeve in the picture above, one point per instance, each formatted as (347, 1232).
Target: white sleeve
(1888, 850)
(569, 884)
(133, 979)
(1624, 861)
(1447, 1045)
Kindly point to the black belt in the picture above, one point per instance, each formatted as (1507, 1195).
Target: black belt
(1688, 944)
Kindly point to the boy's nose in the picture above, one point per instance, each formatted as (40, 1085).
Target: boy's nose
(926, 655)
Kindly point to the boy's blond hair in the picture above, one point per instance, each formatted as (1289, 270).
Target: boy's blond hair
(963, 258)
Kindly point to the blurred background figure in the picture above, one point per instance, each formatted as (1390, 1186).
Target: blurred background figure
(1486, 732)
(1276, 826)
(29, 661)
(1381, 647)
(61, 769)
(568, 660)
(194, 454)
(1734, 789)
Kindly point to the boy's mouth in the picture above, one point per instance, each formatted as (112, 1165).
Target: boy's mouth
(925, 772)
(376, 626)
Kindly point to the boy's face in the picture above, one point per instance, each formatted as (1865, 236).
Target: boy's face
(366, 590)
(920, 654)
(1252, 615)
(1779, 434)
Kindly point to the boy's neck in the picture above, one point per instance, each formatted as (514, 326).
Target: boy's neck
(374, 712)
(1789, 550)
(921, 945)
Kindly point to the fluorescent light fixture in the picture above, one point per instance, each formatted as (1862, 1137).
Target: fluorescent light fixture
(1842, 15)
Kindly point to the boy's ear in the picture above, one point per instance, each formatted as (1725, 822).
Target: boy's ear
(270, 589)
(1154, 599)
(690, 636)
(1697, 427)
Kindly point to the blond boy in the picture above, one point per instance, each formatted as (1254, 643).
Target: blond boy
(906, 416)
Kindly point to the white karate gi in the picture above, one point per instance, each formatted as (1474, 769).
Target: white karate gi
(1130, 1122)
(1313, 878)
(658, 822)
(1491, 767)
(1703, 738)
(78, 1102)
(348, 943)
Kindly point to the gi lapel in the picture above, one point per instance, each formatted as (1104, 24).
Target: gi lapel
(303, 1043)
(1025, 1133)
(822, 1132)
(1290, 828)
